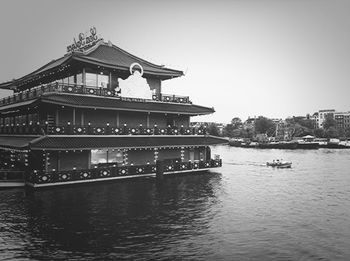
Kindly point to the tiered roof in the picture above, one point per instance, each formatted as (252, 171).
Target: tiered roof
(76, 142)
(97, 102)
(104, 55)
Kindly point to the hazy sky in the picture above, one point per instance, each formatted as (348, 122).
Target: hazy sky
(275, 58)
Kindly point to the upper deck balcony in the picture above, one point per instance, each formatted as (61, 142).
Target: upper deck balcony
(86, 90)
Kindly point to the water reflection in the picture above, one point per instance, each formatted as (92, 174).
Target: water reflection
(245, 211)
(115, 220)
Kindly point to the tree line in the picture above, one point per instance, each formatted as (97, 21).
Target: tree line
(294, 127)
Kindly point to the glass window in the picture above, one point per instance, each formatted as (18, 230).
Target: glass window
(71, 79)
(80, 79)
(115, 156)
(102, 81)
(91, 79)
(98, 156)
(65, 81)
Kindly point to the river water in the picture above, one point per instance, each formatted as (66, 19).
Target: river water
(242, 211)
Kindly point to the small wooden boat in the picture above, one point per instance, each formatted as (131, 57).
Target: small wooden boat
(279, 164)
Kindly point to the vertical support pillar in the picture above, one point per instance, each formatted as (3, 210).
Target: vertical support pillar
(73, 121)
(160, 169)
(47, 161)
(182, 154)
(117, 119)
(148, 113)
(155, 154)
(125, 156)
(82, 118)
(59, 160)
(84, 77)
(56, 117)
(27, 119)
(89, 160)
(110, 81)
(44, 159)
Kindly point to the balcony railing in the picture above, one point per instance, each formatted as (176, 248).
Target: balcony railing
(68, 129)
(38, 177)
(85, 90)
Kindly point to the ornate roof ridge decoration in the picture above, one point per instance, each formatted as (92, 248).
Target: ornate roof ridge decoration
(84, 42)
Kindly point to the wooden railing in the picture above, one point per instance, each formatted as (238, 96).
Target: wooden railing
(85, 90)
(38, 177)
(68, 129)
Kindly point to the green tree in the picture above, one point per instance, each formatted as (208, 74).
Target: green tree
(347, 132)
(236, 123)
(264, 125)
(332, 132)
(302, 121)
(329, 121)
(228, 131)
(213, 130)
(307, 123)
(236, 133)
(300, 131)
(319, 133)
(341, 133)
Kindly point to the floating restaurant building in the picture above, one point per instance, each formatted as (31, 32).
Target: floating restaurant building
(98, 113)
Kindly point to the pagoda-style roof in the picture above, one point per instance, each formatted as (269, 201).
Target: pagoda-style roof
(111, 103)
(85, 101)
(103, 55)
(84, 142)
(16, 142)
(111, 55)
(89, 142)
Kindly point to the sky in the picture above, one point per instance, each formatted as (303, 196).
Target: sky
(245, 58)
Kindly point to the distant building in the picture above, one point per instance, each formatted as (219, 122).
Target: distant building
(283, 130)
(314, 119)
(342, 120)
(322, 114)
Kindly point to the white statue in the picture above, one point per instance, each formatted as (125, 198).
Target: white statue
(135, 86)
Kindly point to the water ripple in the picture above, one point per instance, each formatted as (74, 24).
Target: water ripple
(242, 211)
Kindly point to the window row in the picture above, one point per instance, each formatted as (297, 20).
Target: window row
(101, 156)
(91, 79)
(20, 119)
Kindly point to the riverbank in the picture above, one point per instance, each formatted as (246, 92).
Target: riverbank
(300, 144)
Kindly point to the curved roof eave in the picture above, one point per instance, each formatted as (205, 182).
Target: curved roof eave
(165, 75)
(47, 67)
(55, 142)
(106, 103)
